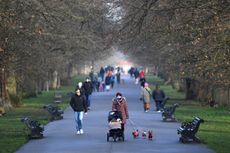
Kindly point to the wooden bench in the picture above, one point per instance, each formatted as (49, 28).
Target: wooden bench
(188, 130)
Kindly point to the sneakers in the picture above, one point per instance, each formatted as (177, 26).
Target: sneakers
(80, 131)
(159, 111)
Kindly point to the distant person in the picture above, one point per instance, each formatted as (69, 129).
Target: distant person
(88, 87)
(79, 106)
(120, 104)
(118, 75)
(107, 82)
(112, 80)
(102, 73)
(158, 96)
(142, 76)
(146, 96)
(136, 75)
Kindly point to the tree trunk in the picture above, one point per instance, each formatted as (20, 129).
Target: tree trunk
(4, 95)
(190, 89)
(55, 80)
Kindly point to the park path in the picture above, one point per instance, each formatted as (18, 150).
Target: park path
(61, 137)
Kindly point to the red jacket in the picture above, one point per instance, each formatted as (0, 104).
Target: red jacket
(142, 74)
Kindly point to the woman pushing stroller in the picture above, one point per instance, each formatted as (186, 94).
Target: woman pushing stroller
(120, 105)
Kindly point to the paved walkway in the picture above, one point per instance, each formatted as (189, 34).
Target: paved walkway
(61, 137)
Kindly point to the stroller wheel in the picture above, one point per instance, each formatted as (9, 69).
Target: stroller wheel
(107, 137)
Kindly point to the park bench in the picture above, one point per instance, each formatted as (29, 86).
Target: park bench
(188, 130)
(34, 127)
(57, 97)
(168, 113)
(55, 111)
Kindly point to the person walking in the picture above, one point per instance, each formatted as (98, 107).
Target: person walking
(102, 73)
(118, 75)
(136, 75)
(88, 87)
(79, 106)
(79, 86)
(112, 80)
(120, 104)
(107, 82)
(146, 96)
(158, 96)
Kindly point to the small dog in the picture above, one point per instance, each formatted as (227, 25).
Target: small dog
(135, 133)
(150, 135)
(144, 134)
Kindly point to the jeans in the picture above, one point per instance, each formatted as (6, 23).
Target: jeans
(78, 119)
(159, 105)
(88, 100)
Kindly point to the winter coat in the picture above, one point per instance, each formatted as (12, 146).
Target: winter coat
(121, 107)
(107, 80)
(78, 103)
(158, 95)
(88, 88)
(146, 95)
(142, 74)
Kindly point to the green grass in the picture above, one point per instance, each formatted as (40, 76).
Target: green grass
(13, 131)
(215, 131)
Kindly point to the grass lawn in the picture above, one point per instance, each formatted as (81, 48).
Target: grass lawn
(215, 131)
(12, 130)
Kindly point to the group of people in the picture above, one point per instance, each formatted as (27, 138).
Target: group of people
(81, 101)
(105, 78)
(79, 105)
(139, 75)
(157, 95)
(110, 75)
(146, 94)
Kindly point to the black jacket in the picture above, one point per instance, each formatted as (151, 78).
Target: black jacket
(88, 87)
(158, 96)
(78, 103)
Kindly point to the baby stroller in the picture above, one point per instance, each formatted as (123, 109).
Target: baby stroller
(115, 127)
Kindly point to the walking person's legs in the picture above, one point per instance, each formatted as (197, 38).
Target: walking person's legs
(147, 106)
(79, 119)
(160, 106)
(89, 101)
(157, 105)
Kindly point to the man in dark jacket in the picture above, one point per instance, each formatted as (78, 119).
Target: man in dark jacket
(158, 96)
(79, 106)
(88, 88)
